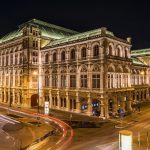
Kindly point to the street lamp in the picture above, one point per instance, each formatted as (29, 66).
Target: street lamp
(35, 73)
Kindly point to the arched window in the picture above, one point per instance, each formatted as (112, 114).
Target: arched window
(46, 58)
(126, 53)
(83, 53)
(110, 50)
(72, 54)
(63, 56)
(46, 78)
(54, 78)
(7, 60)
(21, 58)
(119, 51)
(63, 78)
(96, 51)
(16, 59)
(83, 78)
(54, 57)
(73, 77)
(16, 78)
(21, 78)
(3, 60)
(35, 57)
(11, 78)
(96, 77)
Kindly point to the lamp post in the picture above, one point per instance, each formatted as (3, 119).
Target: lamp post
(36, 74)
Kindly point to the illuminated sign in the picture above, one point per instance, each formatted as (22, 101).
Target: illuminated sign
(46, 108)
(125, 140)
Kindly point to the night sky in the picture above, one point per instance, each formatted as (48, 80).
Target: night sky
(123, 18)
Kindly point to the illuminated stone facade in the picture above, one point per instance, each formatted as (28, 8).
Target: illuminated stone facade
(90, 72)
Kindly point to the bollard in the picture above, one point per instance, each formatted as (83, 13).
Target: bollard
(125, 140)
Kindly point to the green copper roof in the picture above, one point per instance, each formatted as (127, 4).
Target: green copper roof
(79, 36)
(137, 61)
(51, 30)
(11, 36)
(47, 30)
(140, 52)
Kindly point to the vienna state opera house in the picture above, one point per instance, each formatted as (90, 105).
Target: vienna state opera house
(92, 72)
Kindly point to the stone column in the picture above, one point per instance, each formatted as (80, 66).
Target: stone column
(109, 81)
(5, 95)
(90, 79)
(115, 105)
(102, 109)
(147, 94)
(101, 78)
(89, 110)
(78, 109)
(129, 102)
(78, 78)
(129, 81)
(59, 80)
(123, 103)
(50, 80)
(105, 107)
(58, 99)
(13, 98)
(67, 79)
(50, 99)
(68, 102)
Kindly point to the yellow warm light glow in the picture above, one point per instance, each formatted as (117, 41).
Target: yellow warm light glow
(35, 73)
(125, 140)
(142, 72)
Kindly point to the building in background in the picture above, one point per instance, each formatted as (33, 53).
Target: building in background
(90, 72)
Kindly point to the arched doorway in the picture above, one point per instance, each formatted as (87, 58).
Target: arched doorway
(96, 107)
(2, 96)
(84, 105)
(110, 107)
(34, 99)
(6, 97)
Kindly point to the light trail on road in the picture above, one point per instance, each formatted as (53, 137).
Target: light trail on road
(67, 135)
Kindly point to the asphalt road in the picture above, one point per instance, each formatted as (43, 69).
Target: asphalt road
(102, 135)
(19, 131)
(106, 137)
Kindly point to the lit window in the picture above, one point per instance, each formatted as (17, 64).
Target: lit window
(83, 81)
(72, 80)
(83, 53)
(96, 51)
(96, 81)
(63, 56)
(54, 57)
(72, 54)
(63, 80)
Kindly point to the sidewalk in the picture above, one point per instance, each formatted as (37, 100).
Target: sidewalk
(72, 116)
(131, 118)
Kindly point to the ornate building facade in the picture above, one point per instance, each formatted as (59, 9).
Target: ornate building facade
(90, 72)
